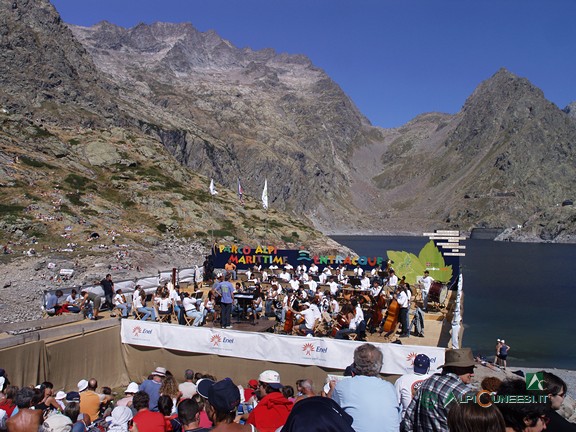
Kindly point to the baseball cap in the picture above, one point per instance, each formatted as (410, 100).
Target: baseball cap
(73, 397)
(203, 385)
(421, 364)
(82, 385)
(60, 395)
(272, 378)
(253, 383)
(224, 395)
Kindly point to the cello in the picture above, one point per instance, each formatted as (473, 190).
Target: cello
(391, 319)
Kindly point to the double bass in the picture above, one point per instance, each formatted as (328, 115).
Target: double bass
(391, 318)
(375, 313)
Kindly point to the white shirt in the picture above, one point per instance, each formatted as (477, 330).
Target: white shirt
(427, 283)
(333, 287)
(285, 276)
(164, 304)
(189, 304)
(365, 283)
(393, 281)
(358, 271)
(309, 318)
(314, 269)
(403, 300)
(118, 299)
(301, 268)
(137, 300)
(406, 387)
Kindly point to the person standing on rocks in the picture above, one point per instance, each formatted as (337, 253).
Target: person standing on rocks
(108, 286)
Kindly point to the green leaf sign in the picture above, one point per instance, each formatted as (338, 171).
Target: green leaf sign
(409, 265)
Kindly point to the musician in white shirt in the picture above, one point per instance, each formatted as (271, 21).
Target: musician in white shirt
(425, 284)
(313, 269)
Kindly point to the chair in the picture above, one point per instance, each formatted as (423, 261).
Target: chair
(165, 317)
(188, 321)
(137, 315)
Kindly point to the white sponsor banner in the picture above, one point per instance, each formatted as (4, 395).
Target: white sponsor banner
(323, 352)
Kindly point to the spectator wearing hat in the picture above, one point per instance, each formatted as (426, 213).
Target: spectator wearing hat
(273, 408)
(408, 384)
(187, 388)
(152, 387)
(89, 399)
(318, 414)
(129, 393)
(145, 419)
(26, 419)
(431, 403)
(119, 419)
(59, 398)
(223, 401)
(250, 391)
(57, 423)
(369, 399)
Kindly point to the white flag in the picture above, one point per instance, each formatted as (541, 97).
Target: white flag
(265, 195)
(213, 190)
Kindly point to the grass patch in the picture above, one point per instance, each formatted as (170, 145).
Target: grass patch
(200, 234)
(73, 141)
(77, 181)
(222, 233)
(8, 209)
(34, 163)
(67, 210)
(41, 132)
(75, 198)
(90, 212)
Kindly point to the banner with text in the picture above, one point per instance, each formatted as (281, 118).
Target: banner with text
(323, 352)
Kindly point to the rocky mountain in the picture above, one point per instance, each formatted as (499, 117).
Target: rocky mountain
(129, 125)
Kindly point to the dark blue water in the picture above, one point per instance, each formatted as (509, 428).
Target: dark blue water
(521, 292)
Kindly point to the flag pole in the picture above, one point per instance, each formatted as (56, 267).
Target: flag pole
(265, 205)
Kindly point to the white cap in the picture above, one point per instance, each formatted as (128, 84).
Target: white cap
(503, 341)
(60, 395)
(132, 388)
(82, 385)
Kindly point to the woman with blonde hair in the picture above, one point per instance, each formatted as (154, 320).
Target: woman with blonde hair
(169, 388)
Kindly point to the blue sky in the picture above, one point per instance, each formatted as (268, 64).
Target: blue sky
(394, 58)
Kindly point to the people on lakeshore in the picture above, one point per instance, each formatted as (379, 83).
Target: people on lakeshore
(503, 353)
(496, 358)
(366, 397)
(432, 402)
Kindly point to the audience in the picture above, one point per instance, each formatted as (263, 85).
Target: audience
(363, 402)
